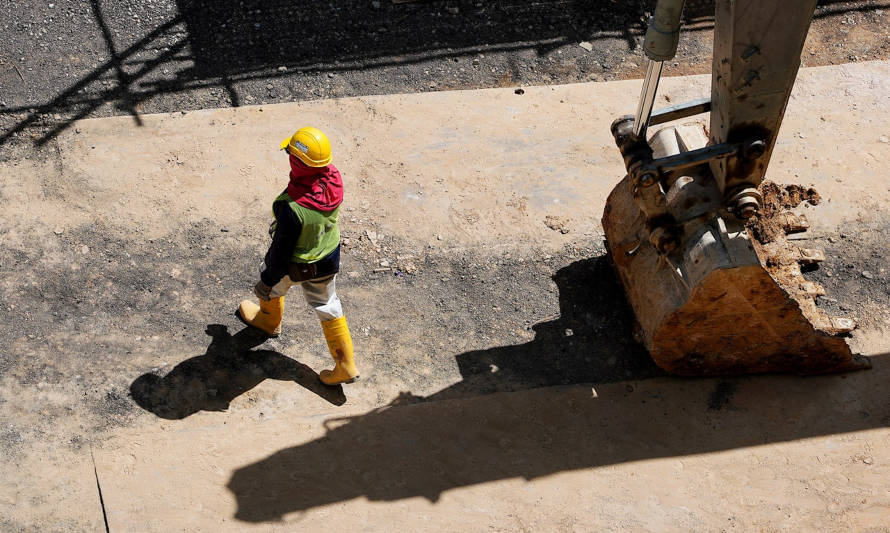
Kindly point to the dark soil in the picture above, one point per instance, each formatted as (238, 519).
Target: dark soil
(855, 273)
(154, 301)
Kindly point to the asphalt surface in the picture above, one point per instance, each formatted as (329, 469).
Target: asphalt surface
(67, 59)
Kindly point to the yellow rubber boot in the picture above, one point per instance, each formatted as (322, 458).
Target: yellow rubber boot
(266, 316)
(336, 332)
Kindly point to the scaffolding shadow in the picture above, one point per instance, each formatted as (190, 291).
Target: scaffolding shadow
(213, 44)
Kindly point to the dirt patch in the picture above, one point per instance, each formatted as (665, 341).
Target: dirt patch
(768, 224)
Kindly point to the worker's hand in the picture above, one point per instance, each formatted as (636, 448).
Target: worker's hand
(262, 290)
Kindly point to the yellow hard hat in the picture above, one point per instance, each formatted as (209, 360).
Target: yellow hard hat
(310, 146)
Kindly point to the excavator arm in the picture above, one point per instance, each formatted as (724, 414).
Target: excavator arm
(697, 237)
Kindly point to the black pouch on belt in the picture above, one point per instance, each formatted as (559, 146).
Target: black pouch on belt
(324, 268)
(302, 271)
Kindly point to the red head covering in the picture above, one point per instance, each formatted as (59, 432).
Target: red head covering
(319, 188)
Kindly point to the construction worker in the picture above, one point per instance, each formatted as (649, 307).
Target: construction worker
(305, 251)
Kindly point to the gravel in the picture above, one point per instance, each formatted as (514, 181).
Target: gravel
(73, 58)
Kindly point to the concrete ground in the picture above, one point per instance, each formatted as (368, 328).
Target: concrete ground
(501, 388)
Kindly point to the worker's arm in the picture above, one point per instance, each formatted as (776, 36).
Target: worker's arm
(284, 240)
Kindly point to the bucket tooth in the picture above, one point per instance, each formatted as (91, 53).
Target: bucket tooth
(840, 325)
(792, 223)
(810, 256)
(812, 289)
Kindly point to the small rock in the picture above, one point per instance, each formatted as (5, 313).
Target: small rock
(868, 460)
(832, 239)
(586, 45)
(884, 139)
(330, 74)
(224, 230)
(269, 86)
(438, 237)
(384, 263)
(475, 62)
(282, 68)
(867, 275)
(183, 112)
(84, 249)
(58, 230)
(519, 91)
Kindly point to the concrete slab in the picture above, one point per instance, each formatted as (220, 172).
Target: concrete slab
(554, 459)
(122, 242)
(479, 167)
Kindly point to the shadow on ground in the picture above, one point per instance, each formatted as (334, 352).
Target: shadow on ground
(591, 341)
(210, 45)
(229, 369)
(424, 446)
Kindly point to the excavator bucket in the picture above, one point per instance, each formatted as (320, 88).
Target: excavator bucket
(697, 236)
(730, 297)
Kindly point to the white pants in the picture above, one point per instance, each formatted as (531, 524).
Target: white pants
(321, 295)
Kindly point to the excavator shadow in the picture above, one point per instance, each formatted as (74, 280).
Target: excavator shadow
(425, 449)
(229, 368)
(580, 395)
(591, 341)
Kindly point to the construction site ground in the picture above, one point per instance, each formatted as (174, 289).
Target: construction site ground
(501, 387)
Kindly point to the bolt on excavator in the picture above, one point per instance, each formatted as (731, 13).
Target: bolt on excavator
(698, 238)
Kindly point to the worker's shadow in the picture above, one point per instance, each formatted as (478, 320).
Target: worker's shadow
(229, 368)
